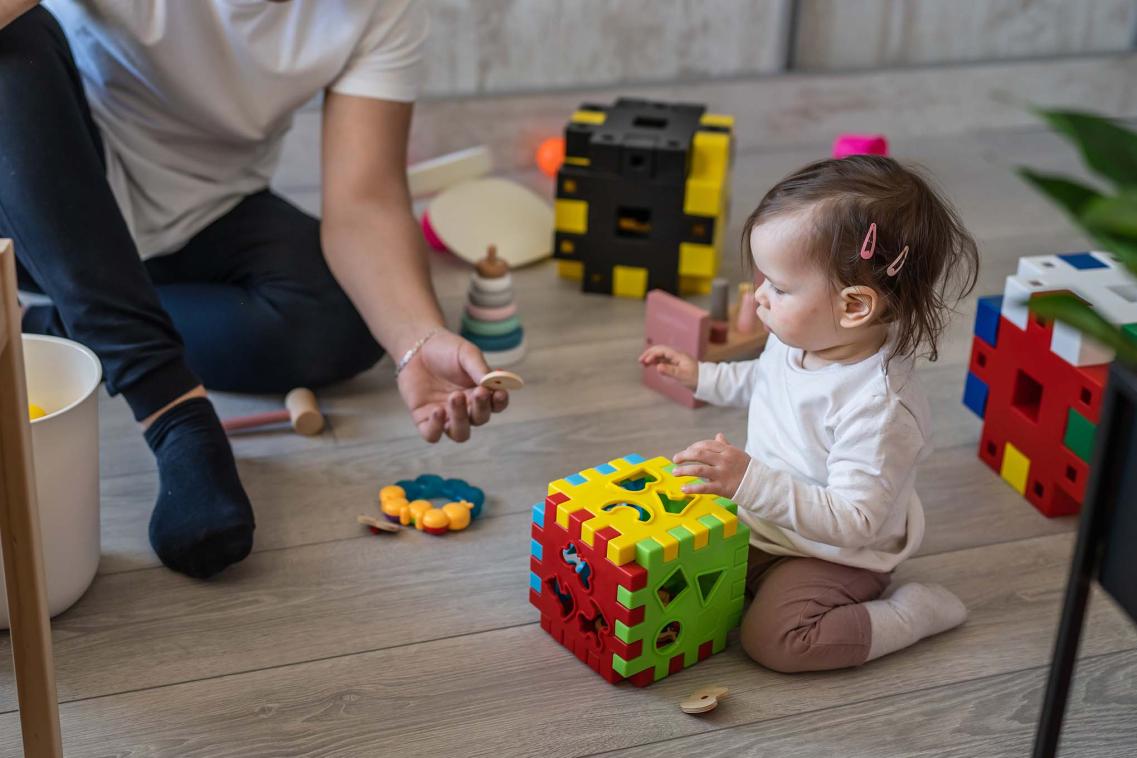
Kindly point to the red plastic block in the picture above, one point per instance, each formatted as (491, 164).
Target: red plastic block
(1030, 392)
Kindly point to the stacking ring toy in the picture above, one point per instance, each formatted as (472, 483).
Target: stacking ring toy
(409, 502)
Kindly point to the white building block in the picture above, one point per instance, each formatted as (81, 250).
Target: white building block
(1109, 288)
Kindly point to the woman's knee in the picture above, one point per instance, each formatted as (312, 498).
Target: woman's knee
(333, 343)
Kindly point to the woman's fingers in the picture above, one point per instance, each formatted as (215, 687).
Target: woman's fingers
(431, 427)
(458, 420)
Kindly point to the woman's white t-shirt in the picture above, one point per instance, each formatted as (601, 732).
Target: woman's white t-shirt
(193, 97)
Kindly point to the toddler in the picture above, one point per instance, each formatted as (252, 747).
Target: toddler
(857, 264)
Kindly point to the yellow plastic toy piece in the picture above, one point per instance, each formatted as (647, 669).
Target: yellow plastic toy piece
(650, 512)
(697, 260)
(458, 514)
(413, 512)
(434, 521)
(35, 411)
(570, 270)
(571, 216)
(629, 281)
(707, 181)
(1016, 468)
(589, 117)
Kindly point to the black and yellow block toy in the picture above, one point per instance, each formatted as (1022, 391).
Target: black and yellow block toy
(642, 197)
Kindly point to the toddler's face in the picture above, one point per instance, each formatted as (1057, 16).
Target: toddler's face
(795, 298)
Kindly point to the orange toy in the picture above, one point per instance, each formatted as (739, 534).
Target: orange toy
(550, 155)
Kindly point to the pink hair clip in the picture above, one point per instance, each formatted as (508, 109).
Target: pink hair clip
(868, 247)
(894, 267)
(868, 250)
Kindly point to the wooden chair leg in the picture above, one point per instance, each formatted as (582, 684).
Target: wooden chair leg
(20, 536)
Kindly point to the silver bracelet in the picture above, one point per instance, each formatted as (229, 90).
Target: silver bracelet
(415, 348)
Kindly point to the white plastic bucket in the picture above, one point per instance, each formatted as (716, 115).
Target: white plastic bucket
(63, 379)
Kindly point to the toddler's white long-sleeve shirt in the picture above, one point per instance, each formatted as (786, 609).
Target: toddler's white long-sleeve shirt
(833, 454)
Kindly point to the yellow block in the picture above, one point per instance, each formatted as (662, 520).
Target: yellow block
(570, 270)
(717, 119)
(1016, 467)
(697, 260)
(645, 517)
(589, 117)
(694, 285)
(572, 216)
(577, 161)
(629, 281)
(706, 183)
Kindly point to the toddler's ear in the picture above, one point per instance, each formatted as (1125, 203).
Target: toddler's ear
(858, 306)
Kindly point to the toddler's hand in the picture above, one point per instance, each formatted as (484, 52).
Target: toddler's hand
(720, 464)
(673, 363)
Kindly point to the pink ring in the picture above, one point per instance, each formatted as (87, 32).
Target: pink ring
(491, 314)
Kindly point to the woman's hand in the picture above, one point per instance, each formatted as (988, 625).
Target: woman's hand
(720, 464)
(440, 388)
(673, 363)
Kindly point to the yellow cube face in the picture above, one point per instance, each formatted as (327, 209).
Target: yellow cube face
(573, 270)
(697, 260)
(629, 281)
(1015, 469)
(571, 216)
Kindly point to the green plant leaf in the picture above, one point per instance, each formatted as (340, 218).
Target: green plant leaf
(1116, 215)
(1069, 309)
(1125, 249)
(1109, 149)
(1071, 195)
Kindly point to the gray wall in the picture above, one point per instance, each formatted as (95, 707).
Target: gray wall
(512, 46)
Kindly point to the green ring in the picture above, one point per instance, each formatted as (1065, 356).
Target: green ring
(490, 328)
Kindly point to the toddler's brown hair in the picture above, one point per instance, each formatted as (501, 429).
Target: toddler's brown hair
(843, 197)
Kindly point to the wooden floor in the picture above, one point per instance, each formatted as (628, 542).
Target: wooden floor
(331, 642)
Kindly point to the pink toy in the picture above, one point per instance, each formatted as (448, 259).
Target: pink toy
(859, 144)
(430, 237)
(676, 323)
(491, 314)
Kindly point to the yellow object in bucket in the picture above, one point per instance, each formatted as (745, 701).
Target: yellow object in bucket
(34, 412)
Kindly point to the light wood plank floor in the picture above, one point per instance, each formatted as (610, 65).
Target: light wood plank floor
(328, 641)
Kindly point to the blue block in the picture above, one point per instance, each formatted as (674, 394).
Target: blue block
(975, 395)
(606, 468)
(534, 582)
(987, 318)
(536, 550)
(634, 459)
(1082, 261)
(539, 514)
(575, 479)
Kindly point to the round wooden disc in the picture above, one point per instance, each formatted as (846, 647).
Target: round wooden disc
(704, 700)
(470, 216)
(502, 380)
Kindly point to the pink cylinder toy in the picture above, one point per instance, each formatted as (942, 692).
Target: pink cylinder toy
(859, 144)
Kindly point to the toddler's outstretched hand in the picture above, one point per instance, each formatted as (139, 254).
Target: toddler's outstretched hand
(673, 363)
(720, 464)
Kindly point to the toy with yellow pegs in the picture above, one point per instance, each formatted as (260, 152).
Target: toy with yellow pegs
(636, 577)
(409, 503)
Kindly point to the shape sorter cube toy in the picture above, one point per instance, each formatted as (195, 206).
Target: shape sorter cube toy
(642, 197)
(1038, 385)
(636, 578)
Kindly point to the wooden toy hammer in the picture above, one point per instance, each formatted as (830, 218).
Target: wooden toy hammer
(300, 409)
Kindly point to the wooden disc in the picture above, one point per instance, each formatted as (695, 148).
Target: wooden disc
(470, 216)
(502, 380)
(377, 523)
(704, 700)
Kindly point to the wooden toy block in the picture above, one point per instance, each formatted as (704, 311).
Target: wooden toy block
(672, 321)
(637, 578)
